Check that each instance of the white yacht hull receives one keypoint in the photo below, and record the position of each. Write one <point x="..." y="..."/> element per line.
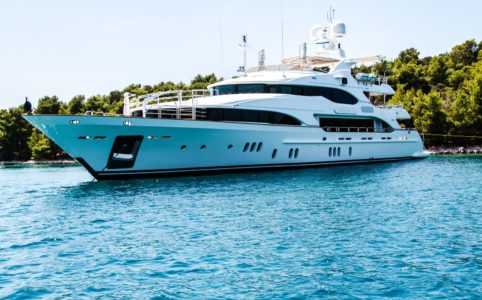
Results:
<point x="170" y="147"/>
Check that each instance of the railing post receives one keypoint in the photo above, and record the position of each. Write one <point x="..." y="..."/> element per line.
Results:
<point x="126" y="110"/>
<point x="179" y="102"/>
<point x="144" y="108"/>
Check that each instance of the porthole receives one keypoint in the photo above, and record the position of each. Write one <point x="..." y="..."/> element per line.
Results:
<point x="230" y="146"/>
<point x="349" y="151"/>
<point x="275" y="151"/>
<point x="253" y="146"/>
<point x="246" y="146"/>
<point x="260" y="145"/>
<point x="291" y="153"/>
<point x="324" y="138"/>
<point x="203" y="147"/>
<point x="183" y="147"/>
<point x="74" y="121"/>
<point x="339" y="151"/>
<point x="329" y="152"/>
<point x="296" y="152"/>
<point x="151" y="137"/>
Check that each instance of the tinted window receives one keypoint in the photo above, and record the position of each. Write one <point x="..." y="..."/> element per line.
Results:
<point x="343" y="97"/>
<point x="285" y="89"/>
<point x="250" y="88"/>
<point x="333" y="94"/>
<point x="337" y="122"/>
<point x="250" y="116"/>
<point x="232" y="115"/>
<point x="224" y="89"/>
<point x="245" y="115"/>
<point x="214" y="114"/>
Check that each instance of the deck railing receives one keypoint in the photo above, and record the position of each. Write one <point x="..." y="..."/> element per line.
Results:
<point x="178" y="104"/>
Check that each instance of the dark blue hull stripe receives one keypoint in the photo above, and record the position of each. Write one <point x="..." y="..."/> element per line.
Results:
<point x="238" y="168"/>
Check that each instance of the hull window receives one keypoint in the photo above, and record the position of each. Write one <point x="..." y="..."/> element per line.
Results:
<point x="275" y="151"/>
<point x="124" y="152"/>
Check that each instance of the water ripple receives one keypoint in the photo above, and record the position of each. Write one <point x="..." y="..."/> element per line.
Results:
<point x="396" y="230"/>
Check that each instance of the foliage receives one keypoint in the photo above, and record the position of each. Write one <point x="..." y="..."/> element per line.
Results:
<point x="40" y="146"/>
<point x="14" y="133"/>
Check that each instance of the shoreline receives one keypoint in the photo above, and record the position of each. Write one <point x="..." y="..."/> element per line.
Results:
<point x="451" y="150"/>
<point x="64" y="162"/>
<point x="434" y="150"/>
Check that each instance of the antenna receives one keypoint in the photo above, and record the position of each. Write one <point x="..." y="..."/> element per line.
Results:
<point x="220" y="21"/>
<point x="244" y="46"/>
<point x="282" y="31"/>
<point x="303" y="56"/>
<point x="261" y="58"/>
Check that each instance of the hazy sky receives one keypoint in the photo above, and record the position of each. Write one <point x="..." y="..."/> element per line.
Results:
<point x="88" y="47"/>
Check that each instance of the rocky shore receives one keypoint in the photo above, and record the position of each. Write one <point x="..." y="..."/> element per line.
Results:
<point x="444" y="150"/>
<point x="38" y="162"/>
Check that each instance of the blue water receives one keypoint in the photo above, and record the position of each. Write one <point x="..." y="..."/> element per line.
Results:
<point x="404" y="230"/>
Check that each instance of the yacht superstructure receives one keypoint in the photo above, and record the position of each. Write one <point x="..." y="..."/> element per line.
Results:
<point x="309" y="111"/>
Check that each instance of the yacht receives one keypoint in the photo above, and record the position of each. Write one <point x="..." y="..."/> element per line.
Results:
<point x="308" y="111"/>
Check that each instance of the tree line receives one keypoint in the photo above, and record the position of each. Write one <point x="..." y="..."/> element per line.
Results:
<point x="443" y="94"/>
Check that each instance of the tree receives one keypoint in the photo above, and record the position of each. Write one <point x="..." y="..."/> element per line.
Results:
<point x="465" y="114"/>
<point x="76" y="105"/>
<point x="437" y="70"/>
<point x="48" y="105"/>
<point x="41" y="146"/>
<point x="429" y="116"/>
<point x="464" y="54"/>
<point x="14" y="133"/>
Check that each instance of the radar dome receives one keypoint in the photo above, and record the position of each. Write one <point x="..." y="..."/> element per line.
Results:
<point x="337" y="30"/>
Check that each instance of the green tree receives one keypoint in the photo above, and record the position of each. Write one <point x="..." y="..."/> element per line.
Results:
<point x="429" y="115"/>
<point x="14" y="133"/>
<point x="465" y="114"/>
<point x="41" y="147"/>
<point x="464" y="54"/>
<point x="48" y="105"/>
<point x="437" y="70"/>
<point x="76" y="105"/>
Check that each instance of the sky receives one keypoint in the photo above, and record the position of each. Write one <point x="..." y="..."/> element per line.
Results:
<point x="89" y="47"/>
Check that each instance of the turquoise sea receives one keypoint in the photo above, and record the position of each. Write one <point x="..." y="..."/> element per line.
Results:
<point x="393" y="230"/>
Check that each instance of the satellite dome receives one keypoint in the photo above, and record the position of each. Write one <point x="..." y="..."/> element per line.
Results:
<point x="337" y="29"/>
